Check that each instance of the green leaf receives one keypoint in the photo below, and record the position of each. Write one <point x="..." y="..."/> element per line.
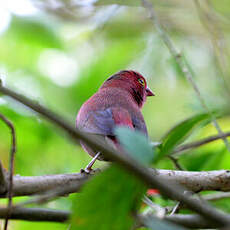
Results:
<point x="136" y="144"/>
<point x="107" y="201"/>
<point x="178" y="133"/>
<point x="213" y="161"/>
<point x="157" y="224"/>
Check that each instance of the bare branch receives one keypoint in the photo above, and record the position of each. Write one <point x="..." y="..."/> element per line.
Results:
<point x="36" y="214"/>
<point x="183" y="65"/>
<point x="11" y="165"/>
<point x="42" y="214"/>
<point x="70" y="183"/>
<point x="199" y="143"/>
<point x="216" y="196"/>
<point x="191" y="221"/>
<point x="31" y="185"/>
<point x="124" y="160"/>
<point x="188" y="221"/>
<point x="175" y="209"/>
<point x="197" y="181"/>
<point x="175" y="162"/>
<point x="3" y="184"/>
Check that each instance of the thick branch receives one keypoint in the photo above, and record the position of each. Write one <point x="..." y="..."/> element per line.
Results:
<point x="36" y="214"/>
<point x="126" y="161"/>
<point x="194" y="181"/>
<point x="31" y="185"/>
<point x="42" y="214"/>
<point x="197" y="181"/>
<point x="191" y="221"/>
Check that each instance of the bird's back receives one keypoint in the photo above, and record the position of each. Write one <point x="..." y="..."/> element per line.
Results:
<point x="107" y="108"/>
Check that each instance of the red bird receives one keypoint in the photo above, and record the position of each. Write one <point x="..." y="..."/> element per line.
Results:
<point x="118" y="102"/>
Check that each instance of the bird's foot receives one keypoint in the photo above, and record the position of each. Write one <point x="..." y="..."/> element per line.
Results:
<point x="88" y="169"/>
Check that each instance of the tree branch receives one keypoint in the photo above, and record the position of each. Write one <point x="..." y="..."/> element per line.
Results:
<point x="126" y="161"/>
<point x="31" y="185"/>
<point x="43" y="214"/>
<point x="216" y="196"/>
<point x="11" y="165"/>
<point x="70" y="183"/>
<point x="36" y="214"/>
<point x="3" y="184"/>
<point x="199" y="143"/>
<point x="191" y="221"/>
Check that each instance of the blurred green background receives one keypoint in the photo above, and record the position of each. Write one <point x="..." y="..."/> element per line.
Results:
<point x="59" y="52"/>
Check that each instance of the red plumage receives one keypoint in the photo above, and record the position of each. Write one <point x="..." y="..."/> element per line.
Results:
<point x="118" y="102"/>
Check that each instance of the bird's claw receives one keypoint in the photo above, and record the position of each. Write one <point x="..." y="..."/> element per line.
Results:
<point x="89" y="171"/>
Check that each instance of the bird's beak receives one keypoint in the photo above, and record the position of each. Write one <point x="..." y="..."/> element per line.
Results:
<point x="149" y="92"/>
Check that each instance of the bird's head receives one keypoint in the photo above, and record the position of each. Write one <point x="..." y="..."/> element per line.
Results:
<point x="131" y="81"/>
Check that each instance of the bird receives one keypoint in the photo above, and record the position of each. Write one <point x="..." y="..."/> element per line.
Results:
<point x="117" y="102"/>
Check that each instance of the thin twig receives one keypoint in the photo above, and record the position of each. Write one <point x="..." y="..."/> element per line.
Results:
<point x="3" y="184"/>
<point x="125" y="161"/>
<point x="216" y="196"/>
<point x="11" y="165"/>
<point x="175" y="162"/>
<point x="199" y="143"/>
<point x="183" y="65"/>
<point x="179" y="167"/>
<point x="175" y="209"/>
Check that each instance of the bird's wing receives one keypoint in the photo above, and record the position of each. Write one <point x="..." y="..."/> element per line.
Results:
<point x="104" y="121"/>
<point x="139" y="124"/>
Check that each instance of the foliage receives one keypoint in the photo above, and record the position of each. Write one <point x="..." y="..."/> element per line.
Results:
<point x="178" y="134"/>
<point x="108" y="201"/>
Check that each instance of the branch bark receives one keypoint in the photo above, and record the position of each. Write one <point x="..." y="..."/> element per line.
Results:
<point x="195" y="144"/>
<point x="216" y="196"/>
<point x="31" y="185"/>
<point x="3" y="184"/>
<point x="191" y="221"/>
<point x="36" y="214"/>
<point x="43" y="214"/>
<point x="125" y="161"/>
<point x="11" y="165"/>
<point x="197" y="181"/>
<point x="70" y="183"/>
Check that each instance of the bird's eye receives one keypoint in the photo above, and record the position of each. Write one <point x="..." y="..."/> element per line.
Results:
<point x="141" y="81"/>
